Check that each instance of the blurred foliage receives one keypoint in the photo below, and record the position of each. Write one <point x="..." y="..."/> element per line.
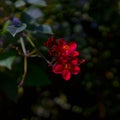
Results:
<point x="94" y="93"/>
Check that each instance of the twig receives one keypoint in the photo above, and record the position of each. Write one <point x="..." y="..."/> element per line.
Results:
<point x="25" y="61"/>
<point x="25" y="71"/>
<point x="23" y="46"/>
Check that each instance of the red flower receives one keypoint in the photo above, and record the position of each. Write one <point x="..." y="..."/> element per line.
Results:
<point x="65" y="49"/>
<point x="67" y="69"/>
<point x="65" y="57"/>
<point x="50" y="42"/>
<point x="51" y="45"/>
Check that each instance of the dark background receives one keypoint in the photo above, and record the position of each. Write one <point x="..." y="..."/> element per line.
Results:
<point x="94" y="93"/>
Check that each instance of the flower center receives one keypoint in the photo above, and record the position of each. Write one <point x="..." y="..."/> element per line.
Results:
<point x="65" y="47"/>
<point x="67" y="66"/>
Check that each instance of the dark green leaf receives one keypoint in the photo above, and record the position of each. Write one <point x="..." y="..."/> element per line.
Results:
<point x="36" y="77"/>
<point x="9" y="86"/>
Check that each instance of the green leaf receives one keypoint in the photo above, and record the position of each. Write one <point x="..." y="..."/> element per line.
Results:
<point x="37" y="2"/>
<point x="13" y="30"/>
<point x="5" y="27"/>
<point x="19" y="3"/>
<point x="36" y="77"/>
<point x="7" y="62"/>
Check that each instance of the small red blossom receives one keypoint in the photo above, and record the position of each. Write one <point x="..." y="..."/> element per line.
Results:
<point x="50" y="42"/>
<point x="51" y="45"/>
<point x="67" y="69"/>
<point x="65" y="57"/>
<point x="65" y="49"/>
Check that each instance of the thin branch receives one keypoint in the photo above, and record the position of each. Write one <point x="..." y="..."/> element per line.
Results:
<point x="25" y="71"/>
<point x="30" y="41"/>
<point x="25" y="61"/>
<point x="44" y="58"/>
<point x="33" y="52"/>
<point x="23" y="46"/>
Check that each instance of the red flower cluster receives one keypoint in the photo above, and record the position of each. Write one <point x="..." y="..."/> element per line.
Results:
<point x="65" y="57"/>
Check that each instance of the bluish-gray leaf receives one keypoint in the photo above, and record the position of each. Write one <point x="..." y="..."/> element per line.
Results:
<point x="34" y="12"/>
<point x="37" y="2"/>
<point x="19" y="3"/>
<point x="45" y="29"/>
<point x="7" y="62"/>
<point x="13" y="30"/>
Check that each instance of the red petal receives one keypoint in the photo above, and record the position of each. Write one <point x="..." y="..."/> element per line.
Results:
<point x="72" y="46"/>
<point x="66" y="74"/>
<point x="63" y="59"/>
<point x="58" y="68"/>
<point x="75" y="70"/>
<point x="74" y="61"/>
<point x="53" y="39"/>
<point x="61" y="43"/>
<point x="82" y="61"/>
<point x="74" y="54"/>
